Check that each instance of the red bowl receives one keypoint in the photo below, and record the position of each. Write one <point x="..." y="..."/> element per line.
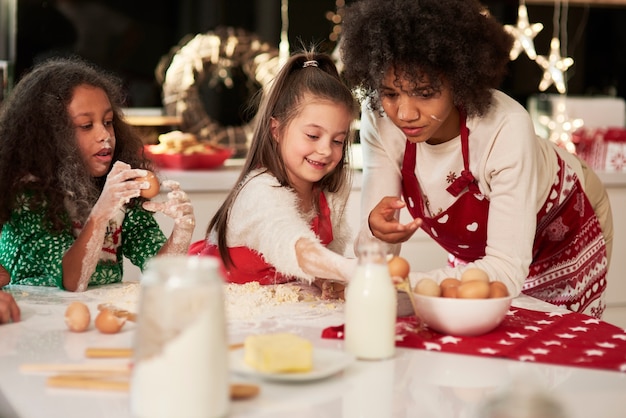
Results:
<point x="213" y="158"/>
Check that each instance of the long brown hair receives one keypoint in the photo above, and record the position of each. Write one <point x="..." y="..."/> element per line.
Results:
<point x="283" y="102"/>
<point x="39" y="153"/>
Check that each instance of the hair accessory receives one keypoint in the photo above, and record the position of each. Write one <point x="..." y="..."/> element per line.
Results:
<point x="311" y="63"/>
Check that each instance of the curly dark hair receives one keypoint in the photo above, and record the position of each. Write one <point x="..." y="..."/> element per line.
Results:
<point x="456" y="41"/>
<point x="39" y="154"/>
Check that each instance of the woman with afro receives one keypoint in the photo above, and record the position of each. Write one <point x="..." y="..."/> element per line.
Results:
<point x="464" y="156"/>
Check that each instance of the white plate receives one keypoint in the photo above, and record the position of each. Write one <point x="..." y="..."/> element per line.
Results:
<point x="325" y="363"/>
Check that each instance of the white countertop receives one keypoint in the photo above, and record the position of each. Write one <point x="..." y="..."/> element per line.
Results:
<point x="224" y="178"/>
<point x="415" y="383"/>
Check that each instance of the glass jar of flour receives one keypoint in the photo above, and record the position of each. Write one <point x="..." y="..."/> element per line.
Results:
<point x="180" y="350"/>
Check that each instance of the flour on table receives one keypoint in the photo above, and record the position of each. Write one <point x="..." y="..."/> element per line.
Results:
<point x="251" y="301"/>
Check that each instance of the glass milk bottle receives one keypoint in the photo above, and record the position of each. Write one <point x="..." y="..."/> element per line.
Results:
<point x="371" y="304"/>
<point x="180" y="350"/>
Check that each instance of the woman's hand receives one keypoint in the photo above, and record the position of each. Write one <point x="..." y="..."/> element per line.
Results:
<point x="178" y="206"/>
<point x="384" y="224"/>
<point x="117" y="191"/>
<point x="9" y="311"/>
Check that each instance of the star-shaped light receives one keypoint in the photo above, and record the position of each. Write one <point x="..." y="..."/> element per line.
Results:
<point x="554" y="66"/>
<point x="598" y="353"/>
<point x="487" y="350"/>
<point x="560" y="126"/>
<point x="524" y="34"/>
<point x="539" y="351"/>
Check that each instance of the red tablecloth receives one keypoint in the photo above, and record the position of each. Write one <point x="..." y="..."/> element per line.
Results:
<point x="569" y="339"/>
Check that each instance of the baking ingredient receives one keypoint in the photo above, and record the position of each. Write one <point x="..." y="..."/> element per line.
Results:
<point x="450" y="292"/>
<point x="154" y="188"/>
<point x="398" y="267"/>
<point x="474" y="273"/>
<point x="77" y="316"/>
<point x="108" y="323"/>
<point x="498" y="290"/>
<point x="449" y="282"/>
<point x="278" y="353"/>
<point x="428" y="287"/>
<point x="371" y="306"/>
<point x="180" y="352"/>
<point x="474" y="289"/>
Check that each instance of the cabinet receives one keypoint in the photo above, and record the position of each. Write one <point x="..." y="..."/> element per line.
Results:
<point x="208" y="189"/>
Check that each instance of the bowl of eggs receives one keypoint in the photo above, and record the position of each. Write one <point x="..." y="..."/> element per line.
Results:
<point x="470" y="306"/>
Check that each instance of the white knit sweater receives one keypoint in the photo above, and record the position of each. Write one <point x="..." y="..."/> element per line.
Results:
<point x="265" y="218"/>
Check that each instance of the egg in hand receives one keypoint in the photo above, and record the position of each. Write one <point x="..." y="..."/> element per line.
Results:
<point x="154" y="188"/>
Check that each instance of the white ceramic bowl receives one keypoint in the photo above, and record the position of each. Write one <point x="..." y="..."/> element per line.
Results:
<point x="462" y="317"/>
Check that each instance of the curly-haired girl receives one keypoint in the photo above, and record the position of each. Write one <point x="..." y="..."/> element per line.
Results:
<point x="68" y="210"/>
<point x="465" y="156"/>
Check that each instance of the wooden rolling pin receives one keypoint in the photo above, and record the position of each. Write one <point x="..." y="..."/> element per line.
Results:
<point x="97" y="382"/>
<point x="106" y="352"/>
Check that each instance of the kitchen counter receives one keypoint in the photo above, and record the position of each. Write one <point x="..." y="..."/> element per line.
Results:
<point x="420" y="382"/>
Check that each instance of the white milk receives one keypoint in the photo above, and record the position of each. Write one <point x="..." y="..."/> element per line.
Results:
<point x="371" y="305"/>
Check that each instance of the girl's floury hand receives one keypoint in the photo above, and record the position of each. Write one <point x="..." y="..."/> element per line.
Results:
<point x="332" y="290"/>
<point x="178" y="206"/>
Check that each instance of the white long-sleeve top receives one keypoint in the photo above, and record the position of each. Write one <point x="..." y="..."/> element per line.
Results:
<point x="514" y="169"/>
<point x="265" y="218"/>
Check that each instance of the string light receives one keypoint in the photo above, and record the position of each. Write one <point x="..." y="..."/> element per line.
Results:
<point x="524" y="34"/>
<point x="554" y="65"/>
<point x="283" y="46"/>
<point x="560" y="125"/>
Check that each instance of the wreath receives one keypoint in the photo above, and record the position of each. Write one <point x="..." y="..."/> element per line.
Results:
<point x="209" y="79"/>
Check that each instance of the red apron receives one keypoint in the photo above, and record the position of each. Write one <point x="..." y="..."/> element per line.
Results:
<point x="250" y="266"/>
<point x="569" y="262"/>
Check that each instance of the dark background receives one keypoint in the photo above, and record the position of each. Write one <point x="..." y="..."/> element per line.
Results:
<point x="149" y="29"/>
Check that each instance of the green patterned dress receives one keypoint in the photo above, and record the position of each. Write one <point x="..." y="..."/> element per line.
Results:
<point x="33" y="255"/>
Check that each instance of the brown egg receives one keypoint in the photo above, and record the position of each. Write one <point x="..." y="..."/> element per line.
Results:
<point x="473" y="289"/>
<point x="77" y="317"/>
<point x="450" y="292"/>
<point x="449" y="282"/>
<point x="428" y="287"/>
<point x="498" y="290"/>
<point x="107" y="323"/>
<point x="398" y="267"/>
<point x="154" y="188"/>
<point x="474" y="273"/>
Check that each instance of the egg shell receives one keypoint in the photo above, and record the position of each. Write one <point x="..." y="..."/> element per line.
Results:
<point x="77" y="317"/>
<point x="108" y="323"/>
<point x="398" y="267"/>
<point x="428" y="287"/>
<point x="498" y="290"/>
<point x="474" y="273"/>
<point x="154" y="188"/>
<point x="473" y="289"/>
<point x="449" y="282"/>
<point x="450" y="292"/>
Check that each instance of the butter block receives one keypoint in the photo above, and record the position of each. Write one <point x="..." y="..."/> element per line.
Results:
<point x="278" y="353"/>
